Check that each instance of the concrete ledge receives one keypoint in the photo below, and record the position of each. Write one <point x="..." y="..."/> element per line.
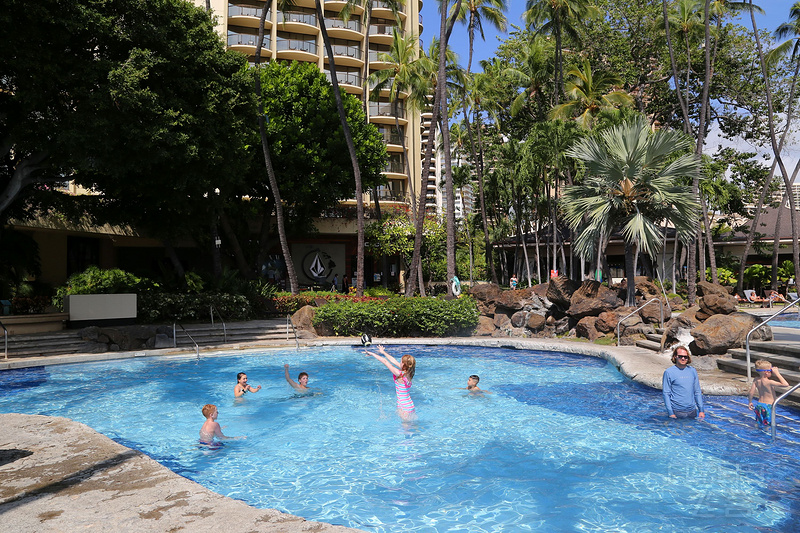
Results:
<point x="40" y="323"/>
<point x="60" y="475"/>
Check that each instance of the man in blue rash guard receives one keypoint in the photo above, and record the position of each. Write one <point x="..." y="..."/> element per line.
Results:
<point x="682" y="395"/>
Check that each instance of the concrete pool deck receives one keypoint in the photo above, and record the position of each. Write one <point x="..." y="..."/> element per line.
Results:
<point x="60" y="475"/>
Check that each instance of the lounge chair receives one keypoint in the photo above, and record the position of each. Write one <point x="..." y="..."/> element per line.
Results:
<point x="753" y="298"/>
<point x="775" y="297"/>
<point x="792" y="296"/>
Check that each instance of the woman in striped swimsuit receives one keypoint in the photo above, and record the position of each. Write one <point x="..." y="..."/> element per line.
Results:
<point x="403" y="373"/>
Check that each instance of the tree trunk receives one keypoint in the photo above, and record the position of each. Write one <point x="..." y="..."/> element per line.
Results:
<point x="444" y="35"/>
<point x="176" y="262"/>
<point x="764" y="190"/>
<point x="775" y="148"/>
<point x="273" y="182"/>
<point x="238" y="254"/>
<point x="630" y="274"/>
<point x="351" y="148"/>
<point x="448" y="186"/>
<point x="484" y="214"/>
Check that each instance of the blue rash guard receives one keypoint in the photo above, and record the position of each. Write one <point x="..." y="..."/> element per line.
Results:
<point x="682" y="390"/>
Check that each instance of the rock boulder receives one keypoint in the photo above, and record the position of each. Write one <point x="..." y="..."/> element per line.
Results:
<point x="720" y="333"/>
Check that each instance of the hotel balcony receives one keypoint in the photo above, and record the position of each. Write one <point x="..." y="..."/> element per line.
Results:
<point x="349" y="81"/>
<point x="300" y="50"/>
<point x="381" y="113"/>
<point x="246" y="44"/>
<point x="381" y="9"/>
<point x="346" y="54"/>
<point x="338" y="28"/>
<point x="247" y="16"/>
<point x="381" y="33"/>
<point x="297" y="22"/>
<point x="338" y="5"/>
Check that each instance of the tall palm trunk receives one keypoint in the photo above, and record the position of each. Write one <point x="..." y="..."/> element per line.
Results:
<point x="444" y="36"/>
<point x="351" y="148"/>
<point x="630" y="274"/>
<point x="273" y="182"/>
<point x="775" y="148"/>
<point x="448" y="189"/>
<point x="484" y="214"/>
<point x="764" y="190"/>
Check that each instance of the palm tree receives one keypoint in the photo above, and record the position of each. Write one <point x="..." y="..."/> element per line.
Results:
<point x="591" y="94"/>
<point x="786" y="29"/>
<point x="532" y="73"/>
<point x="401" y="75"/>
<point x="631" y="184"/>
<point x="439" y="110"/>
<point x="776" y="149"/>
<point x="273" y="182"/>
<point x="351" y="148"/>
<point x="556" y="17"/>
<point x="473" y="12"/>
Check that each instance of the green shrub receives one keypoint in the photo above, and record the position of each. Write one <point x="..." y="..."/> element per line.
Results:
<point x="29" y="305"/>
<point x="95" y="280"/>
<point x="401" y="317"/>
<point x="163" y="307"/>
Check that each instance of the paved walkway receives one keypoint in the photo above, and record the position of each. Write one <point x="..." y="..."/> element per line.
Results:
<point x="60" y="475"/>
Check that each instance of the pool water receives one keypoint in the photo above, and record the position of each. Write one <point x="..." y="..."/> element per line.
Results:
<point x="563" y="443"/>
<point x="789" y="320"/>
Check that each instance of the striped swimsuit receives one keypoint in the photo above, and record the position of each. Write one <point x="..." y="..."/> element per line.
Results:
<point x="401" y="386"/>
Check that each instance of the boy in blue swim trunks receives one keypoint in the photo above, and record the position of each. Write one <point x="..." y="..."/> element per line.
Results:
<point x="766" y="391"/>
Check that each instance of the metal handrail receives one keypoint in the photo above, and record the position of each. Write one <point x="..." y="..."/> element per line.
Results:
<point x="747" y="338"/>
<point x="775" y="404"/>
<point x="5" y="335"/>
<point x="288" y="323"/>
<point x="660" y="310"/>
<point x="175" y="338"/>
<point x="224" y="329"/>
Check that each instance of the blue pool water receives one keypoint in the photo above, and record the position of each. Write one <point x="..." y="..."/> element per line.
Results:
<point x="564" y="443"/>
<point x="789" y="320"/>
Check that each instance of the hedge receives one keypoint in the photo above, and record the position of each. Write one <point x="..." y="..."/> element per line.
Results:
<point x="163" y="307"/>
<point x="400" y="317"/>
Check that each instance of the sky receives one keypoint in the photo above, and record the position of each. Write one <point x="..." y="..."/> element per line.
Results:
<point x="777" y="11"/>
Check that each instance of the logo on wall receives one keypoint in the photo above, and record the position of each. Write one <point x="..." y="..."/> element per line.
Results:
<point x="318" y="265"/>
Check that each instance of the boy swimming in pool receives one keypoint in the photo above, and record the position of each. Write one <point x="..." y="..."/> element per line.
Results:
<point x="211" y="429"/>
<point x="472" y="384"/>
<point x="766" y="391"/>
<point x="242" y="386"/>
<point x="302" y="380"/>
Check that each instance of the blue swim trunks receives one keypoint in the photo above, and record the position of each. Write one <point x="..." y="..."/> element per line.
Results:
<point x="763" y="413"/>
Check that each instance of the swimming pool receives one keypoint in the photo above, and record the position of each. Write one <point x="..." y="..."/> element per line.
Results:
<point x="789" y="320"/>
<point x="564" y="443"/>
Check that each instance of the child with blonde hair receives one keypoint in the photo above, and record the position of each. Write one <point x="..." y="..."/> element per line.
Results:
<point x="403" y="372"/>
<point x="211" y="429"/>
<point x="766" y="391"/>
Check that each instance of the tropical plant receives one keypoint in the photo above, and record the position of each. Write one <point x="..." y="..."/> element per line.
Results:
<point x="589" y="94"/>
<point x="631" y="185"/>
<point x="558" y="18"/>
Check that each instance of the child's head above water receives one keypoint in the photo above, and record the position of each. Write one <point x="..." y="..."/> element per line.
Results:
<point x="473" y="381"/>
<point x="763" y="366"/>
<point x="408" y="364"/>
<point x="302" y="378"/>
<point x="241" y="375"/>
<point x="208" y="409"/>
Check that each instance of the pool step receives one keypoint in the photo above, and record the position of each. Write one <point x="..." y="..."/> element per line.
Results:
<point x="69" y="341"/>
<point x="235" y="333"/>
<point x="784" y="355"/>
<point x="42" y="344"/>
